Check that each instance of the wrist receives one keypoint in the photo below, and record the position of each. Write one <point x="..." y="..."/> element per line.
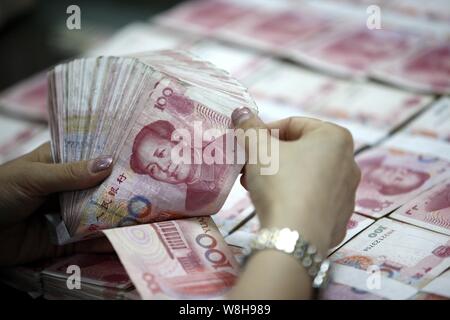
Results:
<point x="306" y="222"/>
<point x="292" y="243"/>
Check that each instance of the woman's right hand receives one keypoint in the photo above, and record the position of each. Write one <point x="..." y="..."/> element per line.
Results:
<point x="314" y="189"/>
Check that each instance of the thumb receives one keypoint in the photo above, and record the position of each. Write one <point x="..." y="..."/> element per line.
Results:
<point x="48" y="178"/>
<point x="243" y="118"/>
<point x="261" y="147"/>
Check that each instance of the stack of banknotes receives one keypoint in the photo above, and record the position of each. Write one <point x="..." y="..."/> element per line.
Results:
<point x="397" y="244"/>
<point x="133" y="107"/>
<point x="138" y="109"/>
<point x="102" y="277"/>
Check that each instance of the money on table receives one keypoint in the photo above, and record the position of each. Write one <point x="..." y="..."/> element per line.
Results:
<point x="130" y="107"/>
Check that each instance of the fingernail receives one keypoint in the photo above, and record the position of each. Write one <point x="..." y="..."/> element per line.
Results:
<point x="241" y="114"/>
<point x="100" y="164"/>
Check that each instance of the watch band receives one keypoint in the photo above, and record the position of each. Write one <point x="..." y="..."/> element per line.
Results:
<point x="290" y="242"/>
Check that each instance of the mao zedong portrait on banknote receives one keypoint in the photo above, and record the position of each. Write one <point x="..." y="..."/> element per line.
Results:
<point x="389" y="178"/>
<point x="152" y="152"/>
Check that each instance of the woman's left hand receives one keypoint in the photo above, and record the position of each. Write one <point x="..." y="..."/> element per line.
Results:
<point x="26" y="186"/>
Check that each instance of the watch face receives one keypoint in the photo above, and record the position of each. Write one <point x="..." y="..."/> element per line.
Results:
<point x="285" y="240"/>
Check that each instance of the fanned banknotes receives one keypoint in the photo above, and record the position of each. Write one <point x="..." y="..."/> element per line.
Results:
<point x="144" y="110"/>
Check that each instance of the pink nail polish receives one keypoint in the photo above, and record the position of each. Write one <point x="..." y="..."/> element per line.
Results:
<point x="100" y="164"/>
<point x="241" y="114"/>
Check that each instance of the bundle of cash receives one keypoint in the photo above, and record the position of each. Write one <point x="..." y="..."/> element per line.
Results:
<point x="103" y="277"/>
<point x="164" y="117"/>
<point x="87" y="276"/>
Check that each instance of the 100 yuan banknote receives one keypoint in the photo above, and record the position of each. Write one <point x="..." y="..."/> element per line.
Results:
<point x="392" y="259"/>
<point x="391" y="177"/>
<point x="178" y="259"/>
<point x="430" y="210"/>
